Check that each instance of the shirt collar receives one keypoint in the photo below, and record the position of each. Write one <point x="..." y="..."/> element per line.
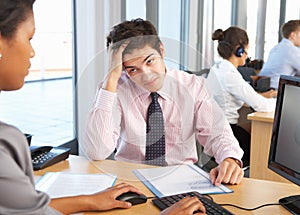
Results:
<point x="287" y="41"/>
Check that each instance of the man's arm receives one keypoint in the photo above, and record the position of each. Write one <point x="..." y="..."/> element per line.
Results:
<point x="101" y="135"/>
<point x="215" y="134"/>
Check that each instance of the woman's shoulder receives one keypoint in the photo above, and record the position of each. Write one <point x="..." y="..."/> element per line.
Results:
<point x="12" y="135"/>
<point x="8" y="129"/>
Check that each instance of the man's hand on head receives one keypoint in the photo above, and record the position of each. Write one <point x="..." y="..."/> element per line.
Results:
<point x="115" y="67"/>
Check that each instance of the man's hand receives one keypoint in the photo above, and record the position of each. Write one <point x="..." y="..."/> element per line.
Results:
<point x="115" y="66"/>
<point x="228" y="172"/>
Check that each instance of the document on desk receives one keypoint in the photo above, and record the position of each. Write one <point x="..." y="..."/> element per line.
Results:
<point x="170" y="180"/>
<point x="60" y="184"/>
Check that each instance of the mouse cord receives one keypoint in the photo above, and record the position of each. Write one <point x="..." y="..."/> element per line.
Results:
<point x="205" y="195"/>
<point x="255" y="208"/>
<point x="250" y="209"/>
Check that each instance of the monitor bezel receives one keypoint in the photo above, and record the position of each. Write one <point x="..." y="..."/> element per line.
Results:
<point x="279" y="168"/>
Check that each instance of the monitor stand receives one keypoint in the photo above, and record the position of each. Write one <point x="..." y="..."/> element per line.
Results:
<point x="291" y="203"/>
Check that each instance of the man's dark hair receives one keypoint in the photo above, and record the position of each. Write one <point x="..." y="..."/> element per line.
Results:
<point x="137" y="33"/>
<point x="289" y="27"/>
<point x="12" y="13"/>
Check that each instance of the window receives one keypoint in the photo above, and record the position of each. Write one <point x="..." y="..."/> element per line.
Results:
<point x="222" y="20"/>
<point x="135" y="9"/>
<point x="44" y="106"/>
<point x="252" y="7"/>
<point x="222" y="14"/>
<point x="272" y="26"/>
<point x="52" y="41"/>
<point x="169" y="26"/>
<point x="292" y="10"/>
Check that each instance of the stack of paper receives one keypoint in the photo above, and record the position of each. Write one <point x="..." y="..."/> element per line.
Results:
<point x="170" y="180"/>
<point x="61" y="184"/>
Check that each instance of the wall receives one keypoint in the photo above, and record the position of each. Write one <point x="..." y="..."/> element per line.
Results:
<point x="93" y="20"/>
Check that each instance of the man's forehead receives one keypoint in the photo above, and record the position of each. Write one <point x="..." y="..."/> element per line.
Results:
<point x="139" y="54"/>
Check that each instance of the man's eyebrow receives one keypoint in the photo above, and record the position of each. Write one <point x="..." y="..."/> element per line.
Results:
<point x="145" y="59"/>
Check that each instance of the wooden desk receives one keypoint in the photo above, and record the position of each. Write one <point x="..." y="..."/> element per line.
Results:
<point x="261" y="131"/>
<point x="250" y="193"/>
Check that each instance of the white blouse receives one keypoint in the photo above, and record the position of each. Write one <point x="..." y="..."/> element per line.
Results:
<point x="231" y="91"/>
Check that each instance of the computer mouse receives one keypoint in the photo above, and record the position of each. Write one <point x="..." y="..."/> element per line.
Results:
<point x="133" y="198"/>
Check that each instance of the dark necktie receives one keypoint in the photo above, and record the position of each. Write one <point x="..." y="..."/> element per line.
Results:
<point x="155" y="140"/>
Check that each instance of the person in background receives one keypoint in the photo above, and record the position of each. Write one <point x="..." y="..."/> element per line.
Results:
<point x="118" y="118"/>
<point x="284" y="57"/>
<point x="18" y="195"/>
<point x="229" y="88"/>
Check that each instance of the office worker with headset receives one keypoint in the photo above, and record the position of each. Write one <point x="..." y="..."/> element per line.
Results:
<point x="284" y="57"/>
<point x="228" y="87"/>
<point x="18" y="195"/>
<point x="137" y="78"/>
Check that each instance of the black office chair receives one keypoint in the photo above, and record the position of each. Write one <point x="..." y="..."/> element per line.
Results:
<point x="259" y="83"/>
<point x="202" y="72"/>
<point x="247" y="72"/>
<point x="28" y="137"/>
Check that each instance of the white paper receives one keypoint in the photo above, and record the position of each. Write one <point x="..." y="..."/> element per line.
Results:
<point x="61" y="184"/>
<point x="170" y="180"/>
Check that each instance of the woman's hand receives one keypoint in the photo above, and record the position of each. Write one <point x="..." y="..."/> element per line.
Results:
<point x="186" y="206"/>
<point x="106" y="199"/>
<point x="269" y="94"/>
<point x="101" y="201"/>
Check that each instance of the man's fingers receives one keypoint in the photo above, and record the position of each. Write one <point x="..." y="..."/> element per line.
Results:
<point x="213" y="175"/>
<point x="237" y="176"/>
<point x="221" y="175"/>
<point x="227" y="172"/>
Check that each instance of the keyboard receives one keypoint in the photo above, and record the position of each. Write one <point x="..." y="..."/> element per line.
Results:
<point x="212" y="207"/>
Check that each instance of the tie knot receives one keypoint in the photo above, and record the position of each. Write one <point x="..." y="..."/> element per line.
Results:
<point x="154" y="96"/>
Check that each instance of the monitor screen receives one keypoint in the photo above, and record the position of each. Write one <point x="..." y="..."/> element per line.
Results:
<point x="284" y="157"/>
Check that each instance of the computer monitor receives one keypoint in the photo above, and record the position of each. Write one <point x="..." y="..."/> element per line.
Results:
<point x="284" y="156"/>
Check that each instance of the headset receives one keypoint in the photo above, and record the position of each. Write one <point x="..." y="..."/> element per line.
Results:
<point x="239" y="51"/>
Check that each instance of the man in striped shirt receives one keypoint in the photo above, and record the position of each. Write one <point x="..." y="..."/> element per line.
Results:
<point x="118" y="117"/>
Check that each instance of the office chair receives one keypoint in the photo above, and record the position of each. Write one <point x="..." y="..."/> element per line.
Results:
<point x="247" y="72"/>
<point x="205" y="161"/>
<point x="28" y="138"/>
<point x="259" y="83"/>
<point x="202" y="72"/>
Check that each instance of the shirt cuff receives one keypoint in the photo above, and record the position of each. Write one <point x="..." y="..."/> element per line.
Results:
<point x="105" y="100"/>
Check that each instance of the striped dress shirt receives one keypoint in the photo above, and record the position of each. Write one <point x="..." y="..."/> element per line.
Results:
<point x="118" y="121"/>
